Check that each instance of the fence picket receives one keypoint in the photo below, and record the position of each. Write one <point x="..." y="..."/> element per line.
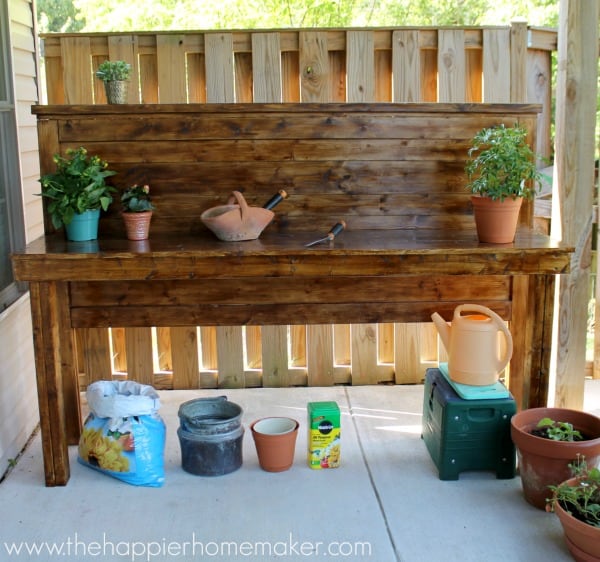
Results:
<point x="266" y="67"/>
<point x="496" y="65"/>
<point x="406" y="66"/>
<point x="360" y="49"/>
<point x="451" y="66"/>
<point x="218" y="49"/>
<point x="170" y="57"/>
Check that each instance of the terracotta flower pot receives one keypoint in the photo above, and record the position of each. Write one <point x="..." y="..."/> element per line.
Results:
<point x="137" y="225"/>
<point x="583" y="540"/>
<point x="496" y="221"/>
<point x="544" y="462"/>
<point x="275" y="440"/>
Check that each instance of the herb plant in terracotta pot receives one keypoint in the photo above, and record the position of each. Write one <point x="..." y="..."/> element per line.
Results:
<point x="576" y="502"/>
<point x="137" y="211"/>
<point x="545" y="450"/>
<point x="76" y="192"/>
<point x="502" y="171"/>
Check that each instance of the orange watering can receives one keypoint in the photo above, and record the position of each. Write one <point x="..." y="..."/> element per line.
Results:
<point x="473" y="345"/>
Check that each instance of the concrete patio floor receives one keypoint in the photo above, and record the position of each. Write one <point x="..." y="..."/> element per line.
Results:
<point x="385" y="502"/>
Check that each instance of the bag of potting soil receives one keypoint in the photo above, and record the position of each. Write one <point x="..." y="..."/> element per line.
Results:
<point x="124" y="436"/>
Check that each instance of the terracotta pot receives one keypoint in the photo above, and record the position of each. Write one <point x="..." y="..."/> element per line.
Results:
<point x="496" y="221"/>
<point x="544" y="462"/>
<point x="237" y="221"/>
<point x="583" y="540"/>
<point x="137" y="225"/>
<point x="275" y="441"/>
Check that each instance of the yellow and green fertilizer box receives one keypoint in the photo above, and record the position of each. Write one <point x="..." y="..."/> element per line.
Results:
<point x="324" y="430"/>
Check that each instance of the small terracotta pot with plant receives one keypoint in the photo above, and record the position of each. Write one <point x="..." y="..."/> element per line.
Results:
<point x="502" y="171"/>
<point x="137" y="208"/>
<point x="576" y="502"/>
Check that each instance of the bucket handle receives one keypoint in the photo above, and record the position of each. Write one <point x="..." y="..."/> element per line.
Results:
<point x="213" y="399"/>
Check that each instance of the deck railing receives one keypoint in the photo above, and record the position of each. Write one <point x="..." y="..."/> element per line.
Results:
<point x="493" y="64"/>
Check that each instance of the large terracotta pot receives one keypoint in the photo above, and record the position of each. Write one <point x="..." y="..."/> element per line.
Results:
<point x="496" y="220"/>
<point x="544" y="462"/>
<point x="583" y="540"/>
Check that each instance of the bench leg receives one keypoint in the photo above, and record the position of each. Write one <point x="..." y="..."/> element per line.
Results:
<point x="56" y="372"/>
<point x="531" y="328"/>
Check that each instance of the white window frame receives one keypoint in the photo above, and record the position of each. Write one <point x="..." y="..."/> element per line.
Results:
<point x="10" y="180"/>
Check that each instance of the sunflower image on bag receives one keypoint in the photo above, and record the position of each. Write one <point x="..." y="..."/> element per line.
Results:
<point x="105" y="450"/>
<point x="124" y="436"/>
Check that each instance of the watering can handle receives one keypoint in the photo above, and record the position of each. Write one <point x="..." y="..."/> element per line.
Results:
<point x="502" y="363"/>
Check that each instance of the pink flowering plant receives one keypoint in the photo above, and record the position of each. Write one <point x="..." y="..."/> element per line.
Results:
<point x="136" y="199"/>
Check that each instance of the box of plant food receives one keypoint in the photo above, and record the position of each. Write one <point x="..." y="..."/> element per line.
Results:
<point x="324" y="422"/>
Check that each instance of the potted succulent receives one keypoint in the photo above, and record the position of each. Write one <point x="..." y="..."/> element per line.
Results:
<point x="576" y="502"/>
<point x="115" y="75"/>
<point x="501" y="169"/>
<point x="76" y="192"/>
<point x="547" y="441"/>
<point x="137" y="207"/>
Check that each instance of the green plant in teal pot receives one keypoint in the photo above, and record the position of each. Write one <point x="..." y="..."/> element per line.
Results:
<point x="78" y="185"/>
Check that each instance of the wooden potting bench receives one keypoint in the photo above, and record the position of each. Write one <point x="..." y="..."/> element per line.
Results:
<point x="393" y="172"/>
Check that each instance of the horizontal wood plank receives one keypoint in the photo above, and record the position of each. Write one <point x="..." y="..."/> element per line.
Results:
<point x="282" y="290"/>
<point x="268" y="314"/>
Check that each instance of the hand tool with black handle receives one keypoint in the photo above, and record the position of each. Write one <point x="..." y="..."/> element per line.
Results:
<point x="335" y="230"/>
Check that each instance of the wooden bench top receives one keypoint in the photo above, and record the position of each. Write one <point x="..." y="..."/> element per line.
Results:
<point x="276" y="254"/>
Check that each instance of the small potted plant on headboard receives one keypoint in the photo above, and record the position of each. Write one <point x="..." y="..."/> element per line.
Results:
<point x="502" y="172"/>
<point x="115" y="75"/>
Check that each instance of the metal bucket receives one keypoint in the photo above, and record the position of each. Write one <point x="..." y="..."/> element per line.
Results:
<point x="210" y="435"/>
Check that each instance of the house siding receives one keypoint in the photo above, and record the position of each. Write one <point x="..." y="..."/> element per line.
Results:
<point x="18" y="399"/>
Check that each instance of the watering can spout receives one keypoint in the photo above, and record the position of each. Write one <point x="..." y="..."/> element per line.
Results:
<point x="443" y="329"/>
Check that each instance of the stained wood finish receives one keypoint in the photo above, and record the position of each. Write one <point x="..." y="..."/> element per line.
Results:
<point x="377" y="166"/>
<point x="393" y="172"/>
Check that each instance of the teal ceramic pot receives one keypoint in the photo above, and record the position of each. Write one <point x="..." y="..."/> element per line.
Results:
<point x="84" y="226"/>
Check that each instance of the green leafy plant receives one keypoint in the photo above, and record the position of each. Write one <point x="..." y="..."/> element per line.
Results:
<point x="501" y="164"/>
<point x="580" y="496"/>
<point x="558" y="431"/>
<point x="78" y="185"/>
<point x="136" y="199"/>
<point x="110" y="71"/>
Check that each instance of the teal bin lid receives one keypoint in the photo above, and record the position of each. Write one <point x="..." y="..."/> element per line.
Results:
<point x="468" y="392"/>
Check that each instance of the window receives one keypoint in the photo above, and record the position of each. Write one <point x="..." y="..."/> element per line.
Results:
<point x="11" y="213"/>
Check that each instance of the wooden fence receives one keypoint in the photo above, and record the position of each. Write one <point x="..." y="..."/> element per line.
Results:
<point x="499" y="64"/>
